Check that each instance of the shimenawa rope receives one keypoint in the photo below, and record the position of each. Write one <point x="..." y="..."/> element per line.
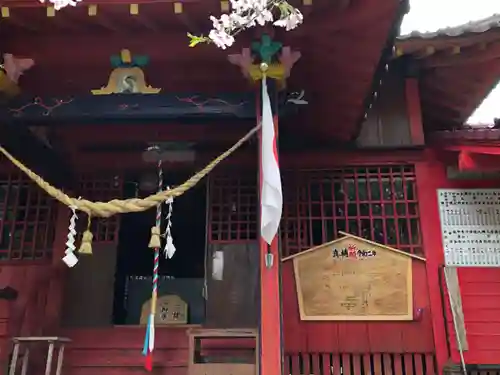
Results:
<point x="120" y="206"/>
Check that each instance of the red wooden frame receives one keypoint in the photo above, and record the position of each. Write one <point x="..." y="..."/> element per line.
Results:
<point x="101" y="187"/>
<point x="233" y="204"/>
<point x="27" y="219"/>
<point x="378" y="203"/>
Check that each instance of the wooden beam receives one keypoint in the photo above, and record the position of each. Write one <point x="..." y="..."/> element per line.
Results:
<point x="455" y="298"/>
<point x="37" y="156"/>
<point x="414" y="111"/>
<point x="93" y="11"/>
<point x="357" y="14"/>
<point x="38" y="4"/>
<point x="134" y="10"/>
<point x="74" y="136"/>
<point x="466" y="57"/>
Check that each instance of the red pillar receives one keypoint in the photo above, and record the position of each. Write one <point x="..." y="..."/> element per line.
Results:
<point x="270" y="334"/>
<point x="430" y="176"/>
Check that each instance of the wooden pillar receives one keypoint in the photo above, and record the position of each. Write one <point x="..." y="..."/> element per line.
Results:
<point x="430" y="176"/>
<point x="414" y="111"/>
<point x="270" y="324"/>
<point x="58" y="272"/>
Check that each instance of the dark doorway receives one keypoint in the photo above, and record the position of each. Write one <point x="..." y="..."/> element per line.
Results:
<point x="183" y="274"/>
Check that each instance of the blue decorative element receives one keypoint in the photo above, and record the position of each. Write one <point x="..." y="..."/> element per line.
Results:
<point x="145" y="348"/>
<point x="266" y="49"/>
<point x="139" y="61"/>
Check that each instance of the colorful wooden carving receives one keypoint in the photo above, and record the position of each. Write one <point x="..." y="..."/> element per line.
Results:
<point x="12" y="69"/>
<point x="279" y="59"/>
<point x="127" y="77"/>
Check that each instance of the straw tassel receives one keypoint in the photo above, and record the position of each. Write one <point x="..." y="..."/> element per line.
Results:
<point x="155" y="241"/>
<point x="86" y="245"/>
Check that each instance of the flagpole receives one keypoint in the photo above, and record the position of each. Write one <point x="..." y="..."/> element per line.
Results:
<point x="270" y="324"/>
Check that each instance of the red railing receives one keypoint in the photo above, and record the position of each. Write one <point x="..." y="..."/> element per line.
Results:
<point x="359" y="364"/>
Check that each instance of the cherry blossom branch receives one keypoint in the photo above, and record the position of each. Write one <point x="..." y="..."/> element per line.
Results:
<point x="246" y="14"/>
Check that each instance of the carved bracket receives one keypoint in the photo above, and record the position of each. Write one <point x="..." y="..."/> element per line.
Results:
<point x="11" y="70"/>
<point x="280" y="60"/>
<point x="127" y="77"/>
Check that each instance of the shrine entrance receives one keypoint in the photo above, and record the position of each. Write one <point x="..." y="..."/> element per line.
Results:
<point x="183" y="274"/>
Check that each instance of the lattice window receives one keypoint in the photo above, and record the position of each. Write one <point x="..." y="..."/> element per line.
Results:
<point x="233" y="206"/>
<point x="27" y="219"/>
<point x="102" y="187"/>
<point x="377" y="203"/>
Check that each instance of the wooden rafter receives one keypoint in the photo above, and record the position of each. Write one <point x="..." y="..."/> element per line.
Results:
<point x="38" y="4"/>
<point x="466" y="57"/>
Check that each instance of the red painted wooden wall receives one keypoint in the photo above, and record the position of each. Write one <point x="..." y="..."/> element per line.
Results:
<point x="480" y="292"/>
<point x="379" y="203"/>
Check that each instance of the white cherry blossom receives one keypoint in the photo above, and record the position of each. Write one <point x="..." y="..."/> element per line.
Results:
<point x="58" y="4"/>
<point x="249" y="13"/>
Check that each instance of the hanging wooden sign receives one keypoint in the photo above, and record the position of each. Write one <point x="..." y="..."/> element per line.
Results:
<point x="170" y="309"/>
<point x="354" y="279"/>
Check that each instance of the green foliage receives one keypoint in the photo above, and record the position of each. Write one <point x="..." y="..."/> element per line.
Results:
<point x="195" y="40"/>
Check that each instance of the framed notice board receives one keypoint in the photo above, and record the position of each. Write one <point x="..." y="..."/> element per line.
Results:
<point x="354" y="279"/>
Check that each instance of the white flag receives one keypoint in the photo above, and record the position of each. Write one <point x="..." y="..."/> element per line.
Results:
<point x="271" y="195"/>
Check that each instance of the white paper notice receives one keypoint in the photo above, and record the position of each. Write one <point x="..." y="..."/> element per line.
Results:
<point x="218" y="265"/>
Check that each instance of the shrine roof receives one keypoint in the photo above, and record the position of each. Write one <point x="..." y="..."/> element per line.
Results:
<point x="479" y="26"/>
<point x="90" y="33"/>
<point x="457" y="68"/>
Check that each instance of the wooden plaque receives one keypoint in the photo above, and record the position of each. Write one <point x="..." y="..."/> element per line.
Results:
<point x="170" y="309"/>
<point x="354" y="279"/>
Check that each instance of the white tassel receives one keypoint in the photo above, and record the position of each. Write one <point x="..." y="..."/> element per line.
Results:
<point x="169" y="249"/>
<point x="70" y="258"/>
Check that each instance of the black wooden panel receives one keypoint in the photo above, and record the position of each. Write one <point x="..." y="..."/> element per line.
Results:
<point x="387" y="124"/>
<point x="134" y="107"/>
<point x="233" y="301"/>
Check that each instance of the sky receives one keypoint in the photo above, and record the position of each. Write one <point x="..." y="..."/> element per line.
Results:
<point x="431" y="15"/>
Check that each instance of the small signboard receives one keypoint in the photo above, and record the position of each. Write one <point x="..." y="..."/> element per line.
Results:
<point x="354" y="279"/>
<point x="170" y="309"/>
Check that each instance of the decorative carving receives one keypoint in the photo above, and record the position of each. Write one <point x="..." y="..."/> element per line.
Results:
<point x="11" y="70"/>
<point x="244" y="60"/>
<point x="297" y="98"/>
<point x="127" y="77"/>
<point x="280" y="62"/>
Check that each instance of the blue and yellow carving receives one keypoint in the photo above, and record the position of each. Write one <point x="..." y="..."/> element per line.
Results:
<point x="267" y="49"/>
<point x="127" y="76"/>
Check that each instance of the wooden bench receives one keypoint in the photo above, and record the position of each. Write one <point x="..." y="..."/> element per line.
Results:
<point x="52" y="342"/>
